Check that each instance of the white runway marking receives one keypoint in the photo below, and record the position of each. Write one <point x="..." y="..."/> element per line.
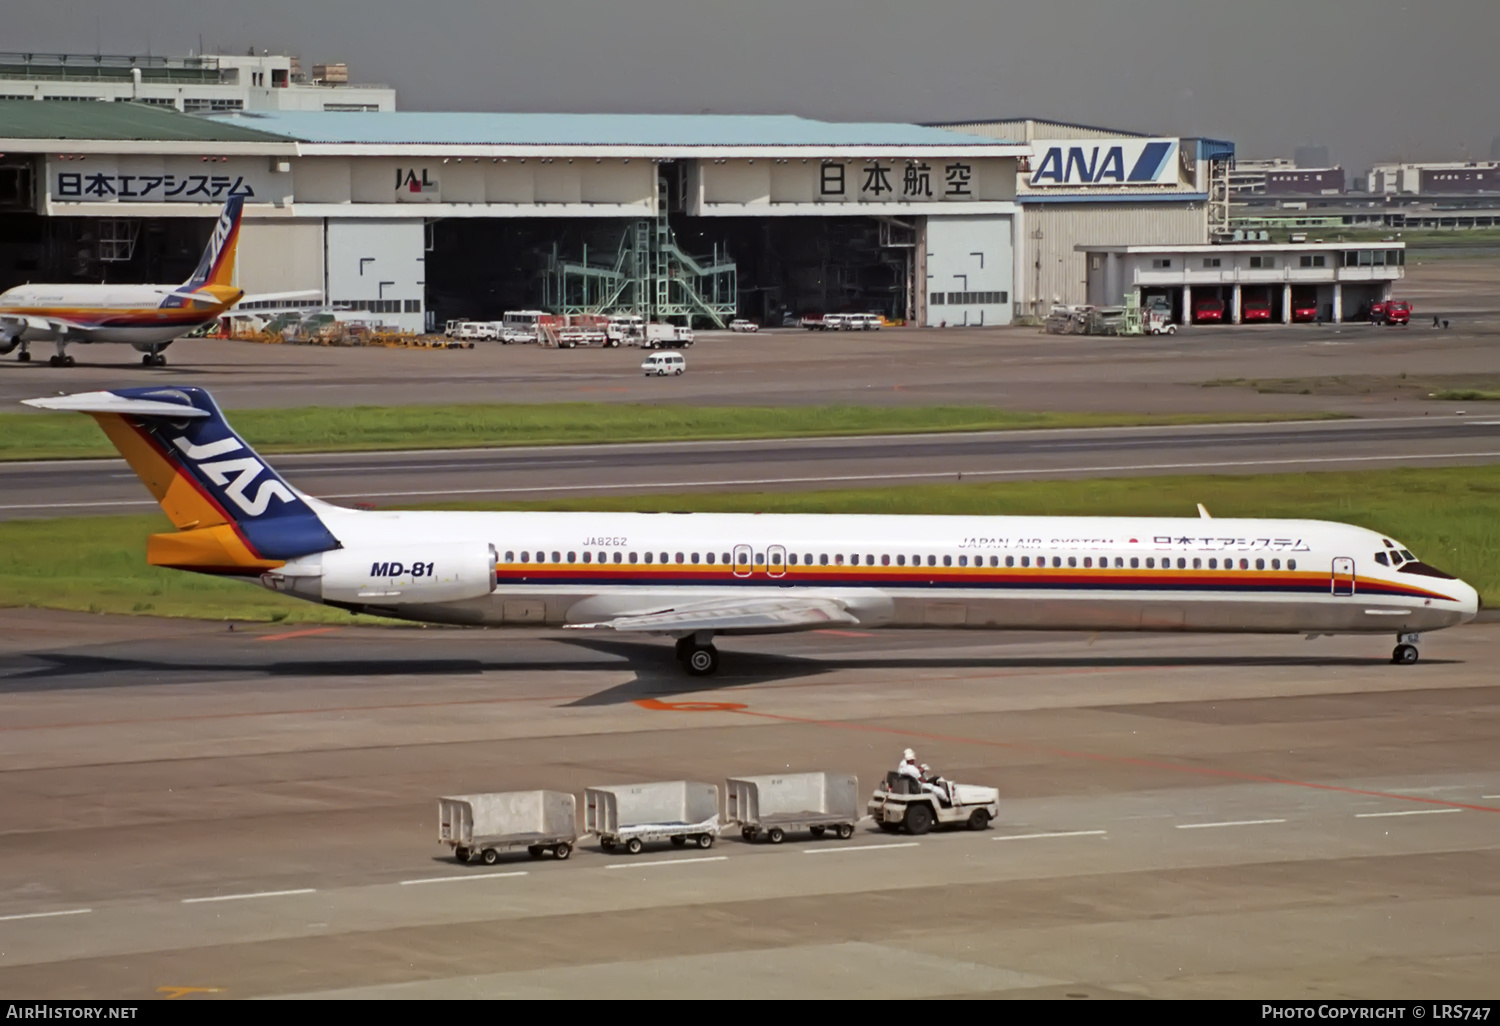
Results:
<point x="46" y="915"/>
<point x="1228" y="823"/>
<point x="243" y="897"/>
<point x="1059" y="833"/>
<point x="668" y="862"/>
<point x="472" y="876"/>
<point x="1407" y="812"/>
<point x="859" y="847"/>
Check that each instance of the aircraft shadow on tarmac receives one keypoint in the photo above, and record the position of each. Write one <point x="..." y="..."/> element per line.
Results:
<point x="657" y="674"/>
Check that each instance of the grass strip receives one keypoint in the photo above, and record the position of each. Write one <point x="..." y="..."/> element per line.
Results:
<point x="36" y="436"/>
<point x="1446" y="515"/>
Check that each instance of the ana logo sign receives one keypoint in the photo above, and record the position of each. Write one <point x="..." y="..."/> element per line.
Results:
<point x="1103" y="162"/>
<point x="416" y="185"/>
<point x="235" y="476"/>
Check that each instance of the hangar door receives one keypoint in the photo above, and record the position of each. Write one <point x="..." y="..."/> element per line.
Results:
<point x="378" y="265"/>
<point x="969" y="275"/>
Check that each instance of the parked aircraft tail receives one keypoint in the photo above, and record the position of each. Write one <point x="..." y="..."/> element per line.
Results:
<point x="233" y="513"/>
<point x="216" y="266"/>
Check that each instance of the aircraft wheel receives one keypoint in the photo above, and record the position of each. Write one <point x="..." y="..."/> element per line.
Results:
<point x="23" y="357"/>
<point x="68" y="361"/>
<point x="161" y="360"/>
<point x="54" y="361"/>
<point x="702" y="661"/>
<point x="1404" y="655"/>
<point x="148" y="360"/>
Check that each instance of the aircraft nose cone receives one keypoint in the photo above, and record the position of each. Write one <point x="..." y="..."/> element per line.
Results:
<point x="1467" y="598"/>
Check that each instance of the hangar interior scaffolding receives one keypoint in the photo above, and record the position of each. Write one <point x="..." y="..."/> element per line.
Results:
<point x="648" y="274"/>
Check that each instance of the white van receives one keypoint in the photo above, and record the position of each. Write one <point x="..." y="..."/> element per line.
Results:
<point x="662" y="364"/>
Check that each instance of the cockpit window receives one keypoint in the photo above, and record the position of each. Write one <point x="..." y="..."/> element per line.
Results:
<point x="1406" y="555"/>
<point x="1380" y="558"/>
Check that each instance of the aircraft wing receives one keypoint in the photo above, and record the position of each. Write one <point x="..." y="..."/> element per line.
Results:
<point x="730" y="616"/>
<point x="277" y="297"/>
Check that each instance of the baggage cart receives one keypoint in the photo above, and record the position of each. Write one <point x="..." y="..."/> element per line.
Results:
<point x="771" y="806"/>
<point x="630" y="816"/>
<point x="483" y="826"/>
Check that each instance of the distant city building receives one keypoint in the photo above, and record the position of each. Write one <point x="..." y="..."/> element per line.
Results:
<point x="194" y="85"/>
<point x="1281" y="177"/>
<point x="1311" y="156"/>
<point x="1444" y="178"/>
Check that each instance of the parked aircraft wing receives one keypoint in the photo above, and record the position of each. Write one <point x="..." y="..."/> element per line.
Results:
<point x="747" y="616"/>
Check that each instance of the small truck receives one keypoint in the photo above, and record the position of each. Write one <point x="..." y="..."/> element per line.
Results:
<point x="901" y="803"/>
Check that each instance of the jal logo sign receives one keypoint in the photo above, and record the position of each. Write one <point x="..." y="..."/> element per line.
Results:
<point x="416" y="185"/>
<point x="1103" y="162"/>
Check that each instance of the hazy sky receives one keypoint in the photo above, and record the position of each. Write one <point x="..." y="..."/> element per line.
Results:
<point x="1370" y="79"/>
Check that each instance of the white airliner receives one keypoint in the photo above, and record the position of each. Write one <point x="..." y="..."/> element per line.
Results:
<point x="148" y="317"/>
<point x="692" y="576"/>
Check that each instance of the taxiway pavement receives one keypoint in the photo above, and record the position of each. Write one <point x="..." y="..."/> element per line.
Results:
<point x="83" y="487"/>
<point x="196" y="811"/>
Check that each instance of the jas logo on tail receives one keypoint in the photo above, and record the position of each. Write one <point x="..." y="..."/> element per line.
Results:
<point x="235" y="476"/>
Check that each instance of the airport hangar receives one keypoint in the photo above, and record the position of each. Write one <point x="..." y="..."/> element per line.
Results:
<point x="1083" y="186"/>
<point x="411" y="218"/>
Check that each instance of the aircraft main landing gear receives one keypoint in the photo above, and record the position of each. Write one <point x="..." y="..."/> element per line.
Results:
<point x="1405" y="652"/>
<point x="153" y="360"/>
<point x="698" y="655"/>
<point x="54" y="361"/>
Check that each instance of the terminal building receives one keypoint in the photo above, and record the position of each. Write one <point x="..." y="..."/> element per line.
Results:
<point x="196" y="85"/>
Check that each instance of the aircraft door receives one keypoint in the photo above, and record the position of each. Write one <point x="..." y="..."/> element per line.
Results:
<point x="743" y="564"/>
<point x="776" y="561"/>
<point x="1343" y="576"/>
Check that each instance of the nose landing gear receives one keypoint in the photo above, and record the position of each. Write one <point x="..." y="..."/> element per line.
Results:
<point x="1405" y="652"/>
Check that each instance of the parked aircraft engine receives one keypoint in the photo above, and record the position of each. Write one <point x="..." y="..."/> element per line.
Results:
<point x="390" y="575"/>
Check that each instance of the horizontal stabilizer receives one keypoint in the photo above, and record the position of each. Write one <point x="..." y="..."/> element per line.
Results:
<point x="109" y="402"/>
<point x="750" y="616"/>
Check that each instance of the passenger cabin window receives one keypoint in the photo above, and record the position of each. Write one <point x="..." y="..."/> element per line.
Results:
<point x="526" y="557"/>
<point x="588" y="557"/>
<point x="633" y="558"/>
<point x="1244" y="564"/>
<point x="648" y="557"/>
<point x="1025" y="560"/>
<point x="869" y="561"/>
<point x="1260" y="564"/>
<point x="1275" y="564"/>
<point x="932" y="561"/>
<point x="1135" y="563"/>
<point x="1291" y="564"/>
<point x="510" y="557"/>
<point x="1197" y="564"/>
<point x="963" y="560"/>
<point x="947" y="560"/>
<point x="885" y="560"/>
<point x="1150" y="563"/>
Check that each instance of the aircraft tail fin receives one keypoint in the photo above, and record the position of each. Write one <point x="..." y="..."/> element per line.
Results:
<point x="216" y="266"/>
<point x="234" y="514"/>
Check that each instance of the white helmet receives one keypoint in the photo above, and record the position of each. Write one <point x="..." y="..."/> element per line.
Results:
<point x="909" y="755"/>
